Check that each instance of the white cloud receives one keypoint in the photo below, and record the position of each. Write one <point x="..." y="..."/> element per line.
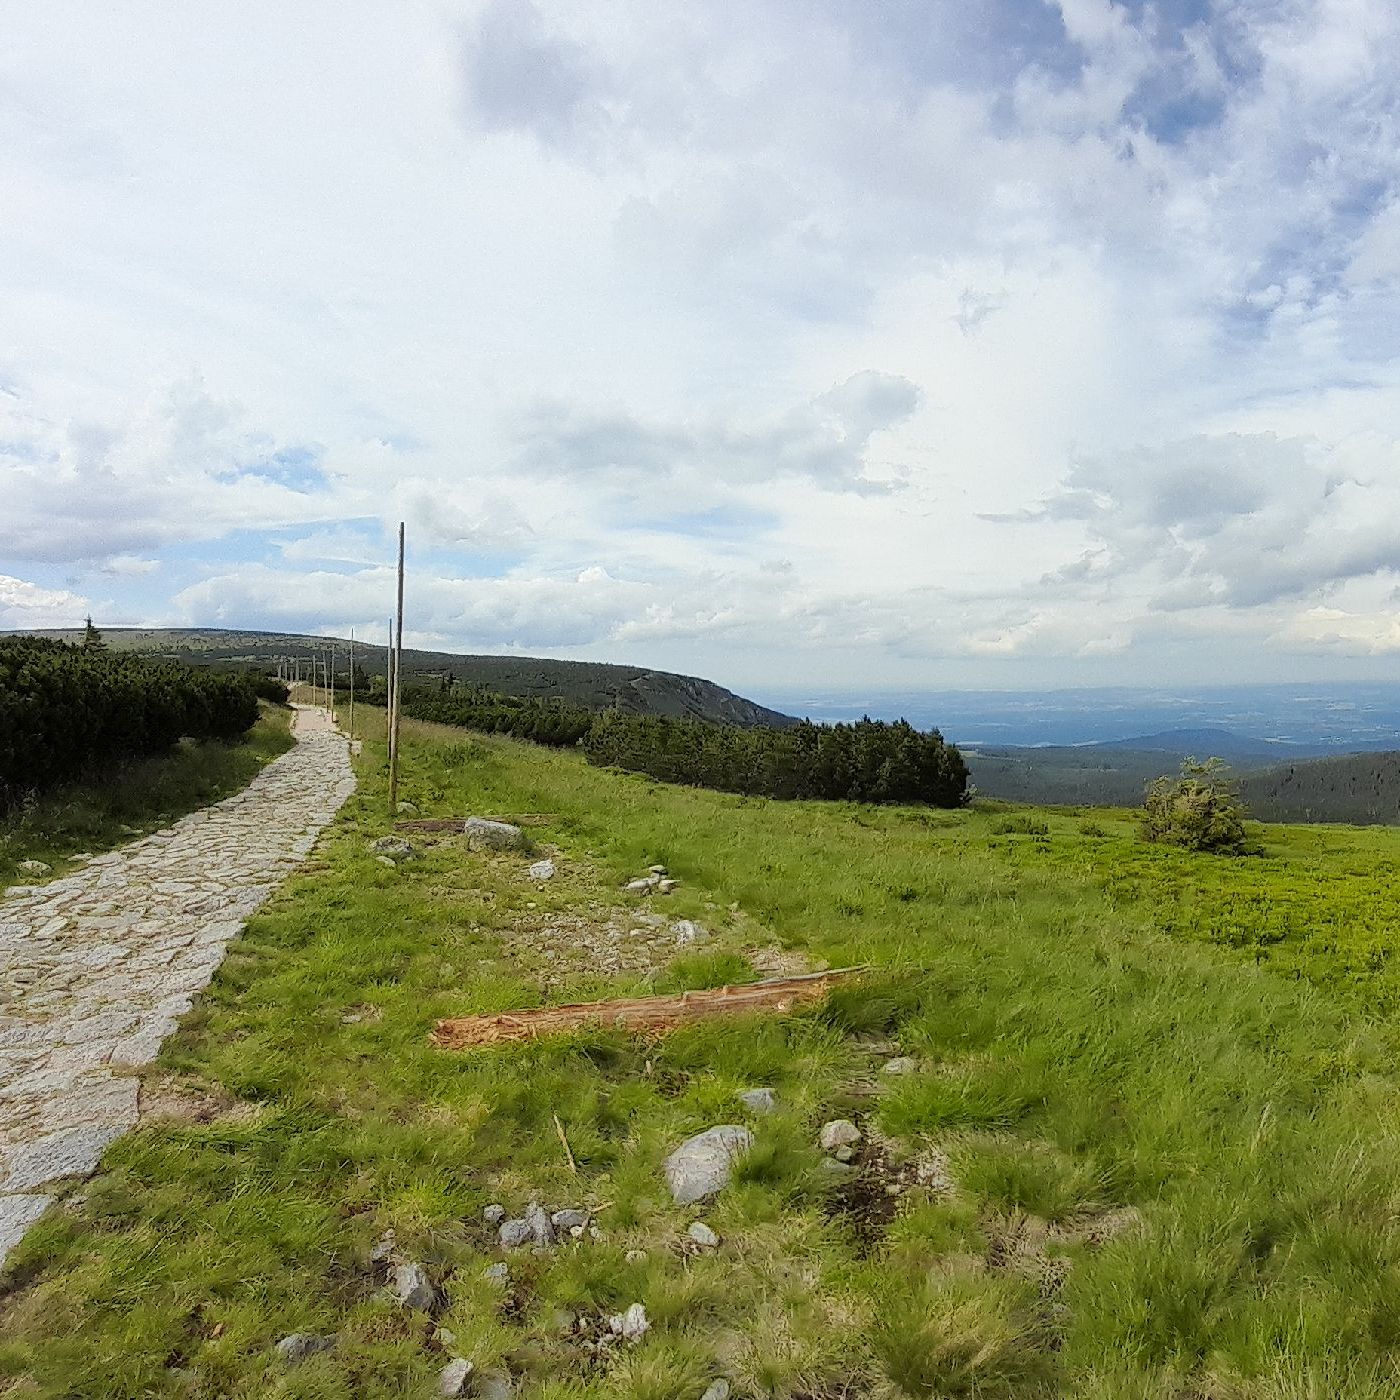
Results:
<point x="24" y="604"/>
<point x="724" y="338"/>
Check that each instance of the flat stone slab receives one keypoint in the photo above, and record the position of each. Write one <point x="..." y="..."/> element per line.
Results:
<point x="97" y="968"/>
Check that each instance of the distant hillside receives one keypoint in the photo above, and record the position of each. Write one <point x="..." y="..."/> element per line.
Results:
<point x="1110" y="774"/>
<point x="594" y="685"/>
<point x="1208" y="743"/>
<point x="1361" y="788"/>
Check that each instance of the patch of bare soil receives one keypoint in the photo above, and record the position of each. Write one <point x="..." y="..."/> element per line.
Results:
<point x="164" y="1098"/>
<point x="592" y="941"/>
<point x="885" y="1171"/>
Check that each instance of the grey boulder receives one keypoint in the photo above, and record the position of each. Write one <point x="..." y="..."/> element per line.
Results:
<point x="702" y="1165"/>
<point x="411" y="1288"/>
<point x="394" y="846"/>
<point x="485" y="835"/>
<point x="299" y="1345"/>
<point x="452" y="1379"/>
<point x="759" y="1100"/>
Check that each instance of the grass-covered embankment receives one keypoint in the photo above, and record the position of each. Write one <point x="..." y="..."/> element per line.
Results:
<point x="1077" y="1065"/>
<point x="118" y="800"/>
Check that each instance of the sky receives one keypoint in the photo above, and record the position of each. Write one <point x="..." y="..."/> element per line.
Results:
<point x="794" y="343"/>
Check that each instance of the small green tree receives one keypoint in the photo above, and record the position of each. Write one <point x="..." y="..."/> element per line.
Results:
<point x="92" y="638"/>
<point x="1200" y="810"/>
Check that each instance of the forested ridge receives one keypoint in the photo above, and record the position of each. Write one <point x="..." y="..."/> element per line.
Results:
<point x="66" y="709"/>
<point x="1361" y="788"/>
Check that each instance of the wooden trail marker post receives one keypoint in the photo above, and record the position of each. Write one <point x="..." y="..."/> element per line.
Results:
<point x="352" y="682"/>
<point x="398" y="680"/>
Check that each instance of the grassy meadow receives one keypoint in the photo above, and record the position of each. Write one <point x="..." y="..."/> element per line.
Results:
<point x="1148" y="1144"/>
<point x="124" y="800"/>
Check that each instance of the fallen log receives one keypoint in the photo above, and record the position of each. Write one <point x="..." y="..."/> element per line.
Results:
<point x="645" y="1015"/>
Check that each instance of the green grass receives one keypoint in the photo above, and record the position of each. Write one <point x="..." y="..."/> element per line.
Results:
<point x="1085" y="1042"/>
<point x="130" y="799"/>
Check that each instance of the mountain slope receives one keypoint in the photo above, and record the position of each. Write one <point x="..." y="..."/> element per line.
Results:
<point x="592" y="684"/>
<point x="1362" y="788"/>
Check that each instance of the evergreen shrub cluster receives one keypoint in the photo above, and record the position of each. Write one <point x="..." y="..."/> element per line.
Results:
<point x="66" y="708"/>
<point x="542" y="721"/>
<point x="869" y="761"/>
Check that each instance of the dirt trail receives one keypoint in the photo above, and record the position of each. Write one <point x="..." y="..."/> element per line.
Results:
<point x="97" y="968"/>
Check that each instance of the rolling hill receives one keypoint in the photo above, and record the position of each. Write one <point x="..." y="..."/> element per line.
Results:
<point x="594" y="685"/>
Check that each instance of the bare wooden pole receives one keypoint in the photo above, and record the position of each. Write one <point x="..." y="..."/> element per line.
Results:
<point x="398" y="682"/>
<point x="389" y="688"/>
<point x="330" y="678"/>
<point x="352" y="682"/>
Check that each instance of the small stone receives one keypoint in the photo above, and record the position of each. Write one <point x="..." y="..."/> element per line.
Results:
<point x="452" y="1379"/>
<point x="656" y="869"/>
<point x="515" y="1233"/>
<point x="299" y="1345"/>
<point x="644" y="886"/>
<point x="493" y="1215"/>
<point x="484" y="835"/>
<point x="392" y="846"/>
<point x="494" y="1385"/>
<point x="703" y="1164"/>
<point x="636" y="1256"/>
<point x="631" y="1325"/>
<point x="33" y="867"/>
<point x="411" y="1288"/>
<point x="666" y="886"/>
<point x="541" y="1230"/>
<point x="385" y="860"/>
<point x="844" y="1153"/>
<point x="759" y="1100"/>
<point x="718" y="1391"/>
<point x="840" y="1132"/>
<point x="688" y="932"/>
<point x="905" y="1064"/>
<point x="406" y="809"/>
<point x="569" y="1219"/>
<point x="383" y="1247"/>
<point x="836" y="1172"/>
<point x="444" y="1337"/>
<point x="496" y="1273"/>
<point x="701" y="1236"/>
<point x="542" y="870"/>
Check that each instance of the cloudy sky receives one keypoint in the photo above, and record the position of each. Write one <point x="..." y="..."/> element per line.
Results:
<point x="792" y="343"/>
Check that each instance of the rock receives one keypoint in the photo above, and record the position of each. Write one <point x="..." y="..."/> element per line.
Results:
<point x="656" y="869"/>
<point x="718" y="1391"/>
<point x="494" y="1385"/>
<point x="493" y="1215"/>
<point x="406" y="809"/>
<point x="299" y="1345"/>
<point x="386" y="860"/>
<point x="541" y="1229"/>
<point x="392" y="846"/>
<point x="759" y="1100"/>
<point x="666" y="886"/>
<point x="834" y="1173"/>
<point x="569" y="1219"/>
<point x="383" y="1247"/>
<point x="497" y="1273"/>
<point x="411" y="1288"/>
<point x="904" y="1064"/>
<point x="643" y="886"/>
<point x="840" y="1132"/>
<point x="701" y="1236"/>
<point x="631" y="1325"/>
<point x="702" y="1165"/>
<point x="636" y="1256"/>
<point x="444" y="1337"/>
<point x="844" y="1154"/>
<point x="514" y="1233"/>
<point x="34" y="867"/>
<point x="688" y="932"/>
<point x="484" y="835"/>
<point x="452" y="1379"/>
<point x="542" y="870"/>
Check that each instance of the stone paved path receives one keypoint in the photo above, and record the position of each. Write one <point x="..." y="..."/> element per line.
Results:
<point x="97" y="968"/>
